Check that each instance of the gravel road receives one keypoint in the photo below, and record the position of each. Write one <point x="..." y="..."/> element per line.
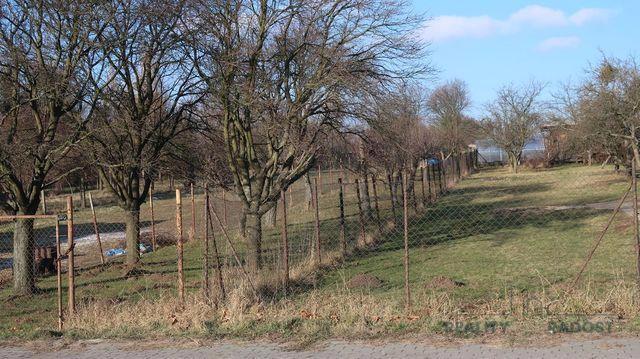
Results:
<point x="601" y="348"/>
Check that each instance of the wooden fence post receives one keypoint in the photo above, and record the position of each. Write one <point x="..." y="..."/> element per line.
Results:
<point x="375" y="202"/>
<point x="636" y="234"/>
<point x="192" y="232"/>
<point x="153" y="219"/>
<point x="407" y="291"/>
<point x="331" y="177"/>
<point x="391" y="194"/>
<point x="363" y="234"/>
<point x="180" y="245"/>
<point x="343" y="235"/>
<point x="422" y="180"/>
<point x="95" y="228"/>
<point x="285" y="243"/>
<point x="83" y="196"/>
<point x="205" y="255"/>
<point x="70" y="259"/>
<point x="429" y="198"/>
<point x="317" y="223"/>
<point x="59" y="275"/>
<point x="441" y="177"/>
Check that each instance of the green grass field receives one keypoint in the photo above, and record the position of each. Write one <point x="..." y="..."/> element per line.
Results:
<point x="498" y="231"/>
<point x="493" y="234"/>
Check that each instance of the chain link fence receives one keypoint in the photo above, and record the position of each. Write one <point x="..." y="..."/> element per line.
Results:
<point x="448" y="239"/>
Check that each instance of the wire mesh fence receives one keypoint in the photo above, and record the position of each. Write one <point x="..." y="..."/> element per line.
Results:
<point x="444" y="239"/>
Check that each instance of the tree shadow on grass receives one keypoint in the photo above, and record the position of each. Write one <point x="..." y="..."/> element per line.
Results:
<point x="457" y="217"/>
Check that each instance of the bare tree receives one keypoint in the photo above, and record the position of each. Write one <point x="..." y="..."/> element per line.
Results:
<point x="454" y="129"/>
<point x="401" y="140"/>
<point x="608" y="103"/>
<point x="145" y="107"/>
<point x="513" y="119"/>
<point x="284" y="73"/>
<point x="48" y="52"/>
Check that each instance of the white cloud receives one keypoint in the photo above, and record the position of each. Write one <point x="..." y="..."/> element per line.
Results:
<point x="587" y="15"/>
<point x="443" y="28"/>
<point x="554" y="43"/>
<point x="538" y="16"/>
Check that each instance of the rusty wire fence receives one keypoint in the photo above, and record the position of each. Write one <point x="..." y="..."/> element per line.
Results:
<point x="448" y="234"/>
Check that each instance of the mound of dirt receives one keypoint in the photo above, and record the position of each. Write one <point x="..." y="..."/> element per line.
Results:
<point x="366" y="281"/>
<point x="441" y="282"/>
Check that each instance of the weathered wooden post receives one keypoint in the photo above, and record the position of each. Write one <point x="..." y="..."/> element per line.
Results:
<point x="83" y="196"/>
<point x="153" y="219"/>
<point x="192" y="231"/>
<point x="422" y="180"/>
<point x="343" y="235"/>
<point x="316" y="204"/>
<point x="363" y="234"/>
<point x="206" y="291"/>
<point x="70" y="258"/>
<point x="331" y="177"/>
<point x="441" y="177"/>
<point x="180" y="245"/>
<point x="59" y="275"/>
<point x="407" y="291"/>
<point x="429" y="198"/>
<point x="285" y="243"/>
<point x="95" y="228"/>
<point x="393" y="199"/>
<point x="634" y="183"/>
<point x="375" y="202"/>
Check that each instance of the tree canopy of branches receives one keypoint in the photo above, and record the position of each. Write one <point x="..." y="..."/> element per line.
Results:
<point x="447" y="105"/>
<point x="400" y="139"/>
<point x="514" y="118"/>
<point x="281" y="74"/>
<point x="147" y="104"/>
<point x="608" y="108"/>
<point x="48" y="51"/>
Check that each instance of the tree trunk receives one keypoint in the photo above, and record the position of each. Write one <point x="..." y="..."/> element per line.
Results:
<point x="24" y="278"/>
<point x="242" y="222"/>
<point x="253" y="238"/>
<point x="513" y="162"/>
<point x="271" y="217"/>
<point x="308" y="193"/>
<point x="394" y="190"/>
<point x="411" y="188"/>
<point x="132" y="235"/>
<point x="366" y="198"/>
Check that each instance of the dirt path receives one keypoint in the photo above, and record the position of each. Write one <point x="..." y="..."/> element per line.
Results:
<point x="600" y="348"/>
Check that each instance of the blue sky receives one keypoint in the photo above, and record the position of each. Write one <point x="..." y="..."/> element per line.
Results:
<point x="491" y="43"/>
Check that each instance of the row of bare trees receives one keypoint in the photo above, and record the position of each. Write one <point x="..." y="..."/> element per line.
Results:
<point x="248" y="88"/>
<point x="248" y="95"/>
